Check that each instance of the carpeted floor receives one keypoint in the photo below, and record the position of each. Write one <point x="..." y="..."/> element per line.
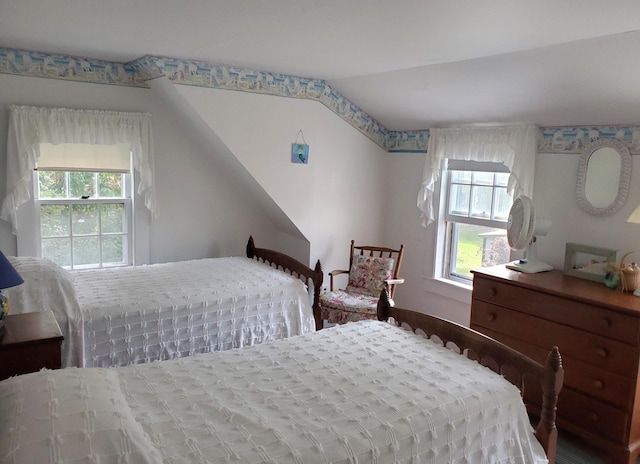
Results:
<point x="572" y="450"/>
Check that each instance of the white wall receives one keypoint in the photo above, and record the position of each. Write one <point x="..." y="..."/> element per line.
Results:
<point x="555" y="199"/>
<point x="349" y="189"/>
<point x="203" y="211"/>
<point x="338" y="196"/>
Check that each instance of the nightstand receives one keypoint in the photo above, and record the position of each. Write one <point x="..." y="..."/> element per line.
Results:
<point x="30" y="341"/>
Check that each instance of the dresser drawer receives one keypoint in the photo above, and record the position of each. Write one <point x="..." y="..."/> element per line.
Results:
<point x="598" y="418"/>
<point x="581" y="315"/>
<point x="593" y="381"/>
<point x="610" y="355"/>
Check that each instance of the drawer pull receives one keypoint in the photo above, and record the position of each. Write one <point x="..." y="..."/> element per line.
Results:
<point x="602" y="352"/>
<point x="598" y="384"/>
<point x="593" y="417"/>
<point x="491" y="317"/>
<point x="493" y="291"/>
<point x="605" y="323"/>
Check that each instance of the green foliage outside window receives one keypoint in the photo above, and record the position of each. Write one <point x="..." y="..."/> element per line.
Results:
<point x="81" y="229"/>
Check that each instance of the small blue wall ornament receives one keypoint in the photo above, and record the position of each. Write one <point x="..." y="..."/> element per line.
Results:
<point x="300" y="151"/>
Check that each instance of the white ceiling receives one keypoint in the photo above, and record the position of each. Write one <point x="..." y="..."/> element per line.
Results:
<point x="410" y="64"/>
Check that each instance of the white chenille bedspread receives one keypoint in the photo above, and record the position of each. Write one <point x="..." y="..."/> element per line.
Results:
<point x="120" y="316"/>
<point x="364" y="392"/>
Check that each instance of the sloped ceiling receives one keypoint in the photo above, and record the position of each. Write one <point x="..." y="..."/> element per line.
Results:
<point x="409" y="64"/>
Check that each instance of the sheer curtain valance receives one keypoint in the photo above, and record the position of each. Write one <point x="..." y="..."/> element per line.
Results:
<point x="30" y="126"/>
<point x="514" y="146"/>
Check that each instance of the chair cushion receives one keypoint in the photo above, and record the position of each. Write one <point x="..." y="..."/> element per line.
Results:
<point x="368" y="273"/>
<point x="339" y="306"/>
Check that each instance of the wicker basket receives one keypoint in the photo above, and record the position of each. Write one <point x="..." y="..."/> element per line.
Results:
<point x="629" y="275"/>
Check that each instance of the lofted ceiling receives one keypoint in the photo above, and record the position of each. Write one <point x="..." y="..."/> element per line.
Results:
<point x="409" y="64"/>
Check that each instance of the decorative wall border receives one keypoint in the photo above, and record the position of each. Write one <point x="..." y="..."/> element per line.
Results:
<point x="198" y="73"/>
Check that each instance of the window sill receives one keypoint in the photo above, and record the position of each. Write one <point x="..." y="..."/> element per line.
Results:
<point x="447" y="288"/>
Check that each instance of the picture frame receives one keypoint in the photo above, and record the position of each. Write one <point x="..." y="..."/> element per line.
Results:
<point x="587" y="262"/>
<point x="300" y="153"/>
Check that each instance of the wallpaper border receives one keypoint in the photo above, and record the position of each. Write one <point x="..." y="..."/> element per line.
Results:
<point x="198" y="73"/>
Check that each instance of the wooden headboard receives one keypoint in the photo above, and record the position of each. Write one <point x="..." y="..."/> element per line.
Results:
<point x="294" y="267"/>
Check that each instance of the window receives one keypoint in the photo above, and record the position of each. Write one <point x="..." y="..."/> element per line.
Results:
<point x="476" y="209"/>
<point x="71" y="141"/>
<point x="85" y="218"/>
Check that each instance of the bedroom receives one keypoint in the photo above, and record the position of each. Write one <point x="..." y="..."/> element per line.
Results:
<point x="211" y="170"/>
<point x="221" y="180"/>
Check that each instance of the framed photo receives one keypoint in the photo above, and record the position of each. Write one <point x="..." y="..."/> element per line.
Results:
<point x="587" y="262"/>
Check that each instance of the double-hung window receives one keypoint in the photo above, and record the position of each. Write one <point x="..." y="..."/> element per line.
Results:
<point x="476" y="208"/>
<point x="84" y="205"/>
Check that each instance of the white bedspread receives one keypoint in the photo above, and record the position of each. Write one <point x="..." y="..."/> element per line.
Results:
<point x="364" y="392"/>
<point x="115" y="317"/>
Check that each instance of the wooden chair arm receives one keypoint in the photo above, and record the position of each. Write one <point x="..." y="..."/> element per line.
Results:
<point x="335" y="273"/>
<point x="394" y="281"/>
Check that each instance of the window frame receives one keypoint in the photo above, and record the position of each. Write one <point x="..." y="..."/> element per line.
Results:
<point x="444" y="242"/>
<point x="126" y="200"/>
<point x="28" y="238"/>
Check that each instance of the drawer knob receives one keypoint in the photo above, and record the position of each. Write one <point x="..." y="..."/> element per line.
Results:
<point x="598" y="384"/>
<point x="491" y="317"/>
<point x="602" y="352"/>
<point x="493" y="291"/>
<point x="593" y="417"/>
<point x="605" y="323"/>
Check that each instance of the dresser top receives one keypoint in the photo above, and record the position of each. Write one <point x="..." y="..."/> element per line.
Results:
<point x="556" y="283"/>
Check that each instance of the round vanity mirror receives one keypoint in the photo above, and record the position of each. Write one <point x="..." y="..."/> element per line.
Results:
<point x="604" y="173"/>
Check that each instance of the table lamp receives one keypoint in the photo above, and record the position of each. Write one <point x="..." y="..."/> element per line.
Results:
<point x="9" y="277"/>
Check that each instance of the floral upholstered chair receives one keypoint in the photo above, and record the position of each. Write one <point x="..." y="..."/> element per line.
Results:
<point x="371" y="269"/>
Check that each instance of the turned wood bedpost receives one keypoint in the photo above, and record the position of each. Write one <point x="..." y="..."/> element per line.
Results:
<point x="251" y="246"/>
<point x="546" y="431"/>
<point x="317" y="286"/>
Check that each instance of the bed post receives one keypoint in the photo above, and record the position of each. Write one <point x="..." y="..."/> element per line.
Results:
<point x="546" y="431"/>
<point x="317" y="285"/>
<point x="250" y="247"/>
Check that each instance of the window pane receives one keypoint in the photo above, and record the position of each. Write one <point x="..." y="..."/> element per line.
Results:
<point x="111" y="185"/>
<point x="54" y="220"/>
<point x="502" y="179"/>
<point x="481" y="198"/>
<point x="82" y="184"/>
<point x="459" y="200"/>
<point x="86" y="251"/>
<point x="477" y="246"/>
<point x="461" y="177"/>
<point x="85" y="219"/>
<point x="113" y="218"/>
<point x="57" y="250"/>
<point x="483" y="178"/>
<point x="51" y="184"/>
<point x="501" y="204"/>
<point x="113" y="251"/>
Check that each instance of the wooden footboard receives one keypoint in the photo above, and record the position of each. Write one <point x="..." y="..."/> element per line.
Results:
<point x="497" y="356"/>
<point x="294" y="267"/>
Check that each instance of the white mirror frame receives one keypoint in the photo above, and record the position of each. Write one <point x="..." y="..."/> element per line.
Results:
<point x="623" y="183"/>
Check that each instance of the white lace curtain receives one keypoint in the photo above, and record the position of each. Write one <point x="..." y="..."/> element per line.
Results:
<point x="30" y="126"/>
<point x="514" y="146"/>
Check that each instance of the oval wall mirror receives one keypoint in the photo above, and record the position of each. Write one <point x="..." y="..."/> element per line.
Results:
<point x="604" y="173"/>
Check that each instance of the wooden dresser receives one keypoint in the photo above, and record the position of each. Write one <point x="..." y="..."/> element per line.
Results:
<point x="598" y="333"/>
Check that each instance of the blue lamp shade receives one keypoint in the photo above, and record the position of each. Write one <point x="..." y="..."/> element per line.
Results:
<point x="9" y="277"/>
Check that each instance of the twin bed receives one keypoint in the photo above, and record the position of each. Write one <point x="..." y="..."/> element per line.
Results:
<point x="121" y="316"/>
<point x="367" y="391"/>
